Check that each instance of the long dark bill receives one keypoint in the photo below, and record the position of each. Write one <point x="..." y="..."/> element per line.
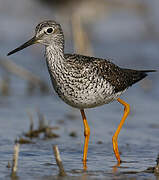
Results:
<point x="28" y="43"/>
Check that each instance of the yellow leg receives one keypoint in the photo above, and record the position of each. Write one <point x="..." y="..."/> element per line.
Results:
<point x="86" y="134"/>
<point x="115" y="137"/>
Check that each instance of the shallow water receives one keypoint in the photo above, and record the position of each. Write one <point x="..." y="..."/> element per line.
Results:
<point x="138" y="140"/>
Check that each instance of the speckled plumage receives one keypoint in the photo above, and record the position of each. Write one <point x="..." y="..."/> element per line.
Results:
<point x="81" y="81"/>
<point x="86" y="82"/>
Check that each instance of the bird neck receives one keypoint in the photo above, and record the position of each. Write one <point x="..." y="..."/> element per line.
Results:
<point x="56" y="65"/>
<point x="54" y="54"/>
<point x="55" y="59"/>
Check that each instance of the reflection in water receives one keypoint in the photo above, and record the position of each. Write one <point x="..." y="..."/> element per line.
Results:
<point x="84" y="165"/>
<point x="115" y="168"/>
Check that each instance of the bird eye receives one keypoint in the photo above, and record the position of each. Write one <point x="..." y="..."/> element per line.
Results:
<point x="49" y="30"/>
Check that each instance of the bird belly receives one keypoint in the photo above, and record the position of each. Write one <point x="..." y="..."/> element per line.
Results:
<point x="88" y="96"/>
<point x="90" y="102"/>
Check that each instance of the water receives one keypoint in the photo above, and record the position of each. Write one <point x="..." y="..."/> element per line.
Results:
<point x="138" y="140"/>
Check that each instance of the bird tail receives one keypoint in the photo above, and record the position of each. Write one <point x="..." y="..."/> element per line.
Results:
<point x="147" y="71"/>
<point x="137" y="75"/>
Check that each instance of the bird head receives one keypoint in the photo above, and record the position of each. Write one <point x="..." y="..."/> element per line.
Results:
<point x="46" y="33"/>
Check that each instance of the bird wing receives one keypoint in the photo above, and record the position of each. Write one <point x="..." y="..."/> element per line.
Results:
<point x="118" y="77"/>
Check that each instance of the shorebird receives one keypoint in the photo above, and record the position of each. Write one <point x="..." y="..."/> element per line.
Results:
<point x="82" y="81"/>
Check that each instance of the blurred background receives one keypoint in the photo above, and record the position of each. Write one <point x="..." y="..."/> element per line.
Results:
<point x="125" y="31"/>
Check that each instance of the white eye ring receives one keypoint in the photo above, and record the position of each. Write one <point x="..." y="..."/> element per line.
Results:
<point x="49" y="30"/>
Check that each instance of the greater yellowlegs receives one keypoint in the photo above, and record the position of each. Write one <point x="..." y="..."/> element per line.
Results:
<point x="83" y="81"/>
